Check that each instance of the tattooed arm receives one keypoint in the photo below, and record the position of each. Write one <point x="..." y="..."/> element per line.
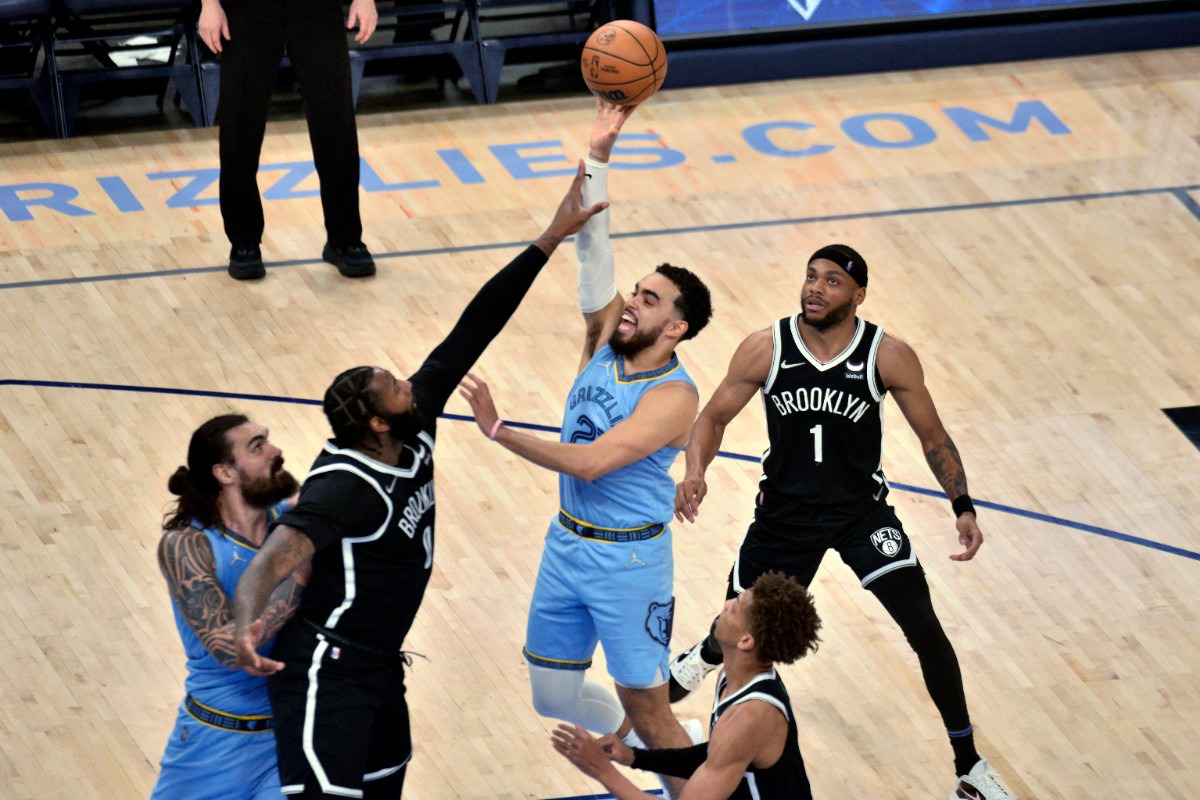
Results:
<point x="902" y="375"/>
<point x="286" y="550"/>
<point x="186" y="560"/>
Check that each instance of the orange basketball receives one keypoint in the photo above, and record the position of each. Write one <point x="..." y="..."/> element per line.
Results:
<point x="624" y="62"/>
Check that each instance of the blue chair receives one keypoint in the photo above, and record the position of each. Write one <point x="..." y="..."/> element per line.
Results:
<point x="90" y="36"/>
<point x="25" y="30"/>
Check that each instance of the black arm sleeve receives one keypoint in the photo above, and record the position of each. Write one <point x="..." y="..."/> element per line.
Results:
<point x="479" y="323"/>
<point x="678" y="762"/>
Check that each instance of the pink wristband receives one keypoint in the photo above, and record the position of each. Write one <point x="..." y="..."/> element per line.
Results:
<point x="495" y="429"/>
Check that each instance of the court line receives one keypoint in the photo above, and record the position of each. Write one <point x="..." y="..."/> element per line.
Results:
<point x="904" y="487"/>
<point x="1180" y="193"/>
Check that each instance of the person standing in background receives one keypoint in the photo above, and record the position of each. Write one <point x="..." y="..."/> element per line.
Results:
<point x="252" y="36"/>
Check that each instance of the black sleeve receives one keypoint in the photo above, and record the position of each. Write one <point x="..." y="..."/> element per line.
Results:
<point x="678" y="762"/>
<point x="335" y="505"/>
<point x="479" y="323"/>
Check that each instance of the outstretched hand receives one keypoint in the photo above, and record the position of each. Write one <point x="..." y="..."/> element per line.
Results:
<point x="969" y="536"/>
<point x="246" y="643"/>
<point x="570" y="216"/>
<point x="479" y="397"/>
<point x="606" y="128"/>
<point x="577" y="746"/>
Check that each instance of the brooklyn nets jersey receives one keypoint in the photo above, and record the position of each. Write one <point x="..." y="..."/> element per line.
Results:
<point x="825" y="428"/>
<point x="786" y="778"/>
<point x="371" y="525"/>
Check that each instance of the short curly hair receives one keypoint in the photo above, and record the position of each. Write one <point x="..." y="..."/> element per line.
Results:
<point x="694" y="302"/>
<point x="783" y="619"/>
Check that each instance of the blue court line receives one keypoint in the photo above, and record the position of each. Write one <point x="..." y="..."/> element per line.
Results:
<point x="1005" y="509"/>
<point x="1181" y="193"/>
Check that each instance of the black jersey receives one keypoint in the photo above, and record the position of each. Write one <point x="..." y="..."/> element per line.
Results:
<point x="372" y="524"/>
<point x="786" y="779"/>
<point x="824" y="428"/>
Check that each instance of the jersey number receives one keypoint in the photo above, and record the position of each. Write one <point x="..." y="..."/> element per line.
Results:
<point x="818" y="451"/>
<point x="587" y="432"/>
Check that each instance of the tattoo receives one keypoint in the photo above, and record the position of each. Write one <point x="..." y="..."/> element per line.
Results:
<point x="283" y="603"/>
<point x="947" y="467"/>
<point x="186" y="560"/>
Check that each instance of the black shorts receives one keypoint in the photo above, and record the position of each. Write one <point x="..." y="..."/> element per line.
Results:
<point x="872" y="545"/>
<point x="341" y="720"/>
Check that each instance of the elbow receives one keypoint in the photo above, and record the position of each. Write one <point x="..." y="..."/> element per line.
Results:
<point x="588" y="473"/>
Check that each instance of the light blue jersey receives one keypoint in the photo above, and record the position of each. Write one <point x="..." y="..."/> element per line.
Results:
<point x="222" y="746"/>
<point x="607" y="570"/>
<point x="636" y="495"/>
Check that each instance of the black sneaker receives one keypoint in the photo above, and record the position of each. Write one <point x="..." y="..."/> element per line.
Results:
<point x="245" y="263"/>
<point x="352" y="260"/>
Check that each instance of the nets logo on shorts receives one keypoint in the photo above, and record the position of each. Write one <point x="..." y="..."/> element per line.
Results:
<point x="887" y="541"/>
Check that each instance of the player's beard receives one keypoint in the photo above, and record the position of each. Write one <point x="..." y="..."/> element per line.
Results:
<point x="833" y="315"/>
<point x="266" y="492"/>
<point x="639" y="341"/>
<point x="405" y="426"/>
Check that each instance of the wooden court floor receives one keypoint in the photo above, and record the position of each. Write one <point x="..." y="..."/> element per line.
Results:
<point x="1033" y="231"/>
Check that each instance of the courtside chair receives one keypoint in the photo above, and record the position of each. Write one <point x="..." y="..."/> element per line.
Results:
<point x="421" y="32"/>
<point x="92" y="44"/>
<point x="25" y="30"/>
<point x="534" y="31"/>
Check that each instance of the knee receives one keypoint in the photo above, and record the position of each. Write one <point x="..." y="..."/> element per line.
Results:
<point x="553" y="696"/>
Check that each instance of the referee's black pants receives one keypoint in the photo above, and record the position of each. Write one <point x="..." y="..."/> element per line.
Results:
<point x="313" y="33"/>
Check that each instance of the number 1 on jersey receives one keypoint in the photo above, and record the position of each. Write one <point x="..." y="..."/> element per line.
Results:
<point x="818" y="453"/>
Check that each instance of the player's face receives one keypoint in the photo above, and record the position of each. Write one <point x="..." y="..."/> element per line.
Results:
<point x="395" y="405"/>
<point x="262" y="479"/>
<point x="734" y="620"/>
<point x="392" y="395"/>
<point x="648" y="313"/>
<point x="829" y="295"/>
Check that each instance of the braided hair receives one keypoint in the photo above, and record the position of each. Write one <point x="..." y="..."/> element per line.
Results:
<point x="350" y="404"/>
<point x="194" y="484"/>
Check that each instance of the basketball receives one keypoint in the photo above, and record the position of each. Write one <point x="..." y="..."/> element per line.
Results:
<point x="624" y="62"/>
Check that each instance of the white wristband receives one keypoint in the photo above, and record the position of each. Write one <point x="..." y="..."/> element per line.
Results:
<point x="597" y="284"/>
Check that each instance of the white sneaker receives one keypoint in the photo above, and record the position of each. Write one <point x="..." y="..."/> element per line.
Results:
<point x="632" y="739"/>
<point x="695" y="730"/>
<point x="688" y="671"/>
<point x="979" y="784"/>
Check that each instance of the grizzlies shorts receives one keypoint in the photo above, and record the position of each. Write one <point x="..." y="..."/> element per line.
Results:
<point x="203" y="762"/>
<point x="872" y="545"/>
<point x="616" y="593"/>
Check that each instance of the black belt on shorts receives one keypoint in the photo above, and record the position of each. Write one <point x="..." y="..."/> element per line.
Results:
<point x="229" y="722"/>
<point x="350" y="644"/>
<point x="610" y="534"/>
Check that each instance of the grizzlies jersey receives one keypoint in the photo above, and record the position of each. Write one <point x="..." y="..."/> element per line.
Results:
<point x="230" y="691"/>
<point x="638" y="494"/>
<point x="786" y="779"/>
<point x="824" y="427"/>
<point x="371" y="525"/>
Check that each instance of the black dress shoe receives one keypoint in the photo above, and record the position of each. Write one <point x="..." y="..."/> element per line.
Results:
<point x="245" y="263"/>
<point x="352" y="260"/>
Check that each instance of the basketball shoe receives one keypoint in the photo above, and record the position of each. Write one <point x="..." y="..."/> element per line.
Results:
<point x="979" y="784"/>
<point x="688" y="671"/>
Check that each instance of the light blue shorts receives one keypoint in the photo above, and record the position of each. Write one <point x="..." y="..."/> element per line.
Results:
<point x="202" y="762"/>
<point x="616" y="593"/>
